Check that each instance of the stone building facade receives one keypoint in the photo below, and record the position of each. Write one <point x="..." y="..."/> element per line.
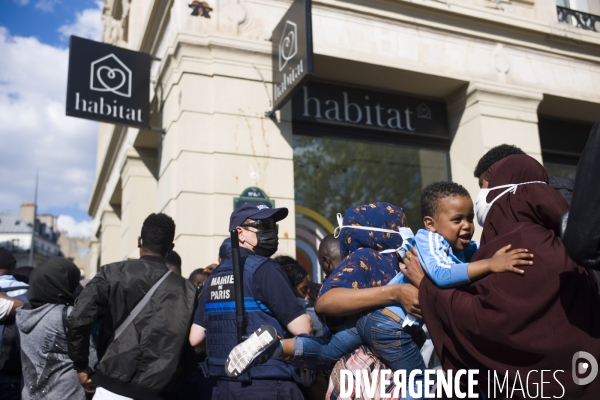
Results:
<point x="505" y="72"/>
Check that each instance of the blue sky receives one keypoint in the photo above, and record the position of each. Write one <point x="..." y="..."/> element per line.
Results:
<point x="41" y="19"/>
<point x="34" y="130"/>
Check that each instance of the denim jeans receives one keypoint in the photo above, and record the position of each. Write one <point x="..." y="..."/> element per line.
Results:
<point x="385" y="337"/>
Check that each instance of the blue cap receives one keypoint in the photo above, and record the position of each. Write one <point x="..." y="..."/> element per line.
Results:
<point x="256" y="211"/>
<point x="225" y="249"/>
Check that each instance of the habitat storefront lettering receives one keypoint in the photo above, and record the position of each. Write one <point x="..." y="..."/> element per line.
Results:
<point x="324" y="102"/>
<point x="347" y="111"/>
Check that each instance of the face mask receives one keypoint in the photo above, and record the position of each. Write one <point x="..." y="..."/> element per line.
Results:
<point x="483" y="207"/>
<point x="266" y="242"/>
<point x="302" y="302"/>
<point x="406" y="234"/>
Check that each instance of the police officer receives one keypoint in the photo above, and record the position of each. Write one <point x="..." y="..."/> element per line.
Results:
<point x="268" y="300"/>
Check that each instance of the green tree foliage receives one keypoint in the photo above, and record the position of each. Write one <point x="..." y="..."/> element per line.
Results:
<point x="332" y="175"/>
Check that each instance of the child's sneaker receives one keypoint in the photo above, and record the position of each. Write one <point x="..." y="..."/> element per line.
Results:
<point x="242" y="355"/>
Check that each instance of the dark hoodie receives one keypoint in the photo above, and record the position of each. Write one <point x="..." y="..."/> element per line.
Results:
<point x="47" y="370"/>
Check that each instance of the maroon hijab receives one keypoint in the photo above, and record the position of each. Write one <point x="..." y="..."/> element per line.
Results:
<point x="506" y="322"/>
<point x="537" y="203"/>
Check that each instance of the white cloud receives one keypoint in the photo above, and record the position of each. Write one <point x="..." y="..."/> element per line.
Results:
<point x="74" y="229"/>
<point x="88" y="24"/>
<point x="45" y="5"/>
<point x="35" y="132"/>
<point x="21" y="2"/>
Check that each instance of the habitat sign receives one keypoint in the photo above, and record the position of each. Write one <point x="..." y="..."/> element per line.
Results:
<point x="292" y="52"/>
<point x="108" y="83"/>
<point x="349" y="107"/>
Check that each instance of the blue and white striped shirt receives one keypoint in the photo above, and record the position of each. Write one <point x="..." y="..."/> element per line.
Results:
<point x="445" y="267"/>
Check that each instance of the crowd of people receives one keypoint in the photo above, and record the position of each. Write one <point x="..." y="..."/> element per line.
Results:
<point x="514" y="302"/>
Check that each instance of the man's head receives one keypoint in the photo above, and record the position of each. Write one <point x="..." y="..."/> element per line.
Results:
<point x="298" y="277"/>
<point x="447" y="208"/>
<point x="257" y="227"/>
<point x="329" y="254"/>
<point x="156" y="239"/>
<point x="7" y="262"/>
<point x="198" y="277"/>
<point x="208" y="270"/>
<point x="490" y="158"/>
<point x="173" y="262"/>
<point x="225" y="250"/>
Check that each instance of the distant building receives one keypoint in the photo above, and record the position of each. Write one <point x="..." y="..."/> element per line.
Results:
<point x="77" y="249"/>
<point x="15" y="235"/>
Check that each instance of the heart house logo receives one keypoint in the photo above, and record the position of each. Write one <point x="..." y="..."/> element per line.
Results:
<point x="109" y="74"/>
<point x="288" y="45"/>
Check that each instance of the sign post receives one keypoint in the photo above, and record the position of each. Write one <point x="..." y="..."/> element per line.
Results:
<point x="108" y="83"/>
<point x="253" y="195"/>
<point x="292" y="52"/>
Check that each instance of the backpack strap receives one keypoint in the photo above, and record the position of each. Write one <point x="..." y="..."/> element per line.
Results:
<point x="139" y="306"/>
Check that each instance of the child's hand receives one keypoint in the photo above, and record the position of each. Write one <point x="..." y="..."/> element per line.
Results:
<point x="505" y="260"/>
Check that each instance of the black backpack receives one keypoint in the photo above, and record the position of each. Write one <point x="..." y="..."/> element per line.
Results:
<point x="10" y="349"/>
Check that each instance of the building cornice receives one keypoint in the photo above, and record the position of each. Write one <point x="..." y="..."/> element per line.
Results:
<point x="452" y="17"/>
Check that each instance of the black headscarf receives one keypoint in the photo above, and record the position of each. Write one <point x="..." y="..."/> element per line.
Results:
<point x="53" y="282"/>
<point x="7" y="261"/>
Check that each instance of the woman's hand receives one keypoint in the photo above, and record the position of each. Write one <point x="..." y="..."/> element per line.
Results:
<point x="408" y="295"/>
<point x="412" y="268"/>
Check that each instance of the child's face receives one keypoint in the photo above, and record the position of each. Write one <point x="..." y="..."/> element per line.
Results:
<point x="454" y="221"/>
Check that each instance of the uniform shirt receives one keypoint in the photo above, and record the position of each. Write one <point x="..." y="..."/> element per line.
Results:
<point x="272" y="288"/>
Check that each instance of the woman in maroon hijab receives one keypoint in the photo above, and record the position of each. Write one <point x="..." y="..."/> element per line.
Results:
<point x="520" y="324"/>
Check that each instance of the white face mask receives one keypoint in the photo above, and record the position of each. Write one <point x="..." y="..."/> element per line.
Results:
<point x="406" y="234"/>
<point x="483" y="207"/>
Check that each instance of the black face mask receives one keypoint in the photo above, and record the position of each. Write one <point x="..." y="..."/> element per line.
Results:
<point x="267" y="242"/>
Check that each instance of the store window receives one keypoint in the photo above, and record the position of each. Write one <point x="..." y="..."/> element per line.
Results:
<point x="338" y="165"/>
<point x="562" y="144"/>
<point x="332" y="174"/>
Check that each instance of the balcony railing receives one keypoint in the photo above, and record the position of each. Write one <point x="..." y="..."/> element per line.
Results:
<point x="577" y="18"/>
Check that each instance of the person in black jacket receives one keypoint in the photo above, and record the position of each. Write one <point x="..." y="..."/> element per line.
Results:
<point x="144" y="361"/>
<point x="582" y="234"/>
